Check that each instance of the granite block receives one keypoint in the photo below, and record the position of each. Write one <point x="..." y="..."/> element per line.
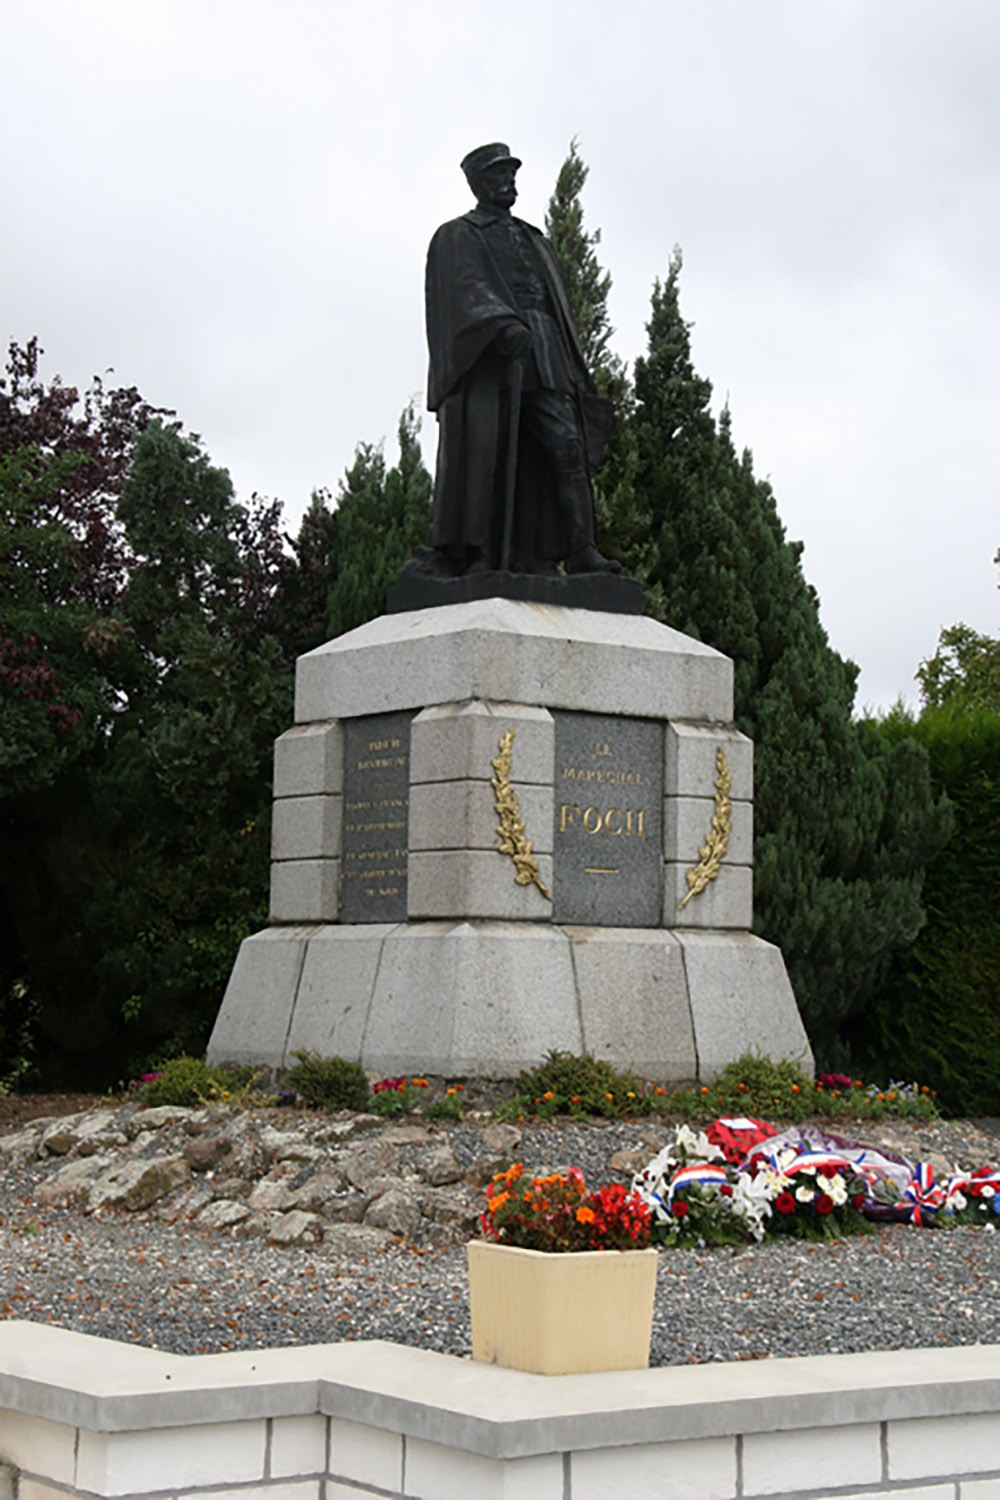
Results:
<point x="458" y="883"/>
<point x="459" y="741"/>
<point x="305" y="890"/>
<point x="463" y="999"/>
<point x="335" y="989"/>
<point x="634" y="1002"/>
<point x="508" y="651"/>
<point x="463" y="815"/>
<point x="306" y="827"/>
<point x="687" y="823"/>
<point x="690" y="765"/>
<point x="309" y="760"/>
<point x="256" y="1009"/>
<point x="741" y="1000"/>
<point x="727" y="901"/>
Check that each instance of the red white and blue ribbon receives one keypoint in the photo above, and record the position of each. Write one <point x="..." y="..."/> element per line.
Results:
<point x="922" y="1195"/>
<point x="699" y="1174"/>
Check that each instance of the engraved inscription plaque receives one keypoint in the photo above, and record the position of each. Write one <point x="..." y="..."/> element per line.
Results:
<point x="376" y="809"/>
<point x="608" y="867"/>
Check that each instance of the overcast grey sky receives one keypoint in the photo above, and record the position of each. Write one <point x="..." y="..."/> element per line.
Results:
<point x="229" y="202"/>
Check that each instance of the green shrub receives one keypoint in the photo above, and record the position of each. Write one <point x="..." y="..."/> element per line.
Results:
<point x="329" y="1083"/>
<point x="584" y="1085"/>
<point x="184" y="1080"/>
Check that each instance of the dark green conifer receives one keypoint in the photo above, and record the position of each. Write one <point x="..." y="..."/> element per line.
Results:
<point x="381" y="518"/>
<point x="844" y="821"/>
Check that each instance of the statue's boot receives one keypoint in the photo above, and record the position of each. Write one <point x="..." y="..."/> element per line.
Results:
<point x="589" y="560"/>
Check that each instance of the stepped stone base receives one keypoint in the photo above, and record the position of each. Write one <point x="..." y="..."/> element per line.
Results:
<point x="490" y="998"/>
<point x="405" y="933"/>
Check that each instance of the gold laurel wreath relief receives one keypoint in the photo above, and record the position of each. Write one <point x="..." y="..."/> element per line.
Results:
<point x="513" y="840"/>
<point x="713" y="851"/>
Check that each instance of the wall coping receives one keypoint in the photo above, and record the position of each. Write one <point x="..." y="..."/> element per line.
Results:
<point x="104" y="1386"/>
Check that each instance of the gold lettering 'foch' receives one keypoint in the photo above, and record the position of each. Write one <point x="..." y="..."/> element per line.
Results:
<point x="608" y="865"/>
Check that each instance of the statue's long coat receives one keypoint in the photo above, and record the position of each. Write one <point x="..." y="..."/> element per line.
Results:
<point x="467" y="302"/>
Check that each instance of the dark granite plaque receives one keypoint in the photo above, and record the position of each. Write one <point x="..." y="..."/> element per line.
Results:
<point x="376" y="809"/>
<point x="608" y="867"/>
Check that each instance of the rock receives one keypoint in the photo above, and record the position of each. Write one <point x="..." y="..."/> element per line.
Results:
<point x="396" y="1211"/>
<point x="21" y="1148"/>
<point x="222" y="1214"/>
<point x="346" y="1127"/>
<point x="346" y="1208"/>
<point x="355" y="1239"/>
<point x="364" y="1163"/>
<point x="273" y="1194"/>
<point x="319" y="1189"/>
<point x="439" y="1165"/>
<point x="156" y="1118"/>
<point x="137" y="1184"/>
<point x="206" y="1151"/>
<point x="257" y="1226"/>
<point x="60" y="1137"/>
<point x="108" y="1140"/>
<point x="502" y="1138"/>
<point x="484" y="1169"/>
<point x="71" y="1183"/>
<point x="296" y="1228"/>
<point x="287" y="1145"/>
<point x="453" y="1210"/>
<point x="231" y="1187"/>
<point x="626" y="1163"/>
<point x="185" y="1205"/>
<point x="409" y="1134"/>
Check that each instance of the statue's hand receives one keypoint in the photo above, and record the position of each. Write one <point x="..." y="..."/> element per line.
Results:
<point x="513" y="341"/>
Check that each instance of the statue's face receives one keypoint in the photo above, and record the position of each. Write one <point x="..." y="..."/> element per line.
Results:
<point x="495" y="185"/>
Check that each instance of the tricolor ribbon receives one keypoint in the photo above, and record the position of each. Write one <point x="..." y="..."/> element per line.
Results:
<point x="699" y="1174"/>
<point x="922" y="1195"/>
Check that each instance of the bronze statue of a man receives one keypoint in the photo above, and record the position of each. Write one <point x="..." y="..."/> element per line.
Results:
<point x="520" y="422"/>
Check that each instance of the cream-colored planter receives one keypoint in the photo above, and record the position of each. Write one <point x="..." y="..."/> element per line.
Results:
<point x="561" y="1314"/>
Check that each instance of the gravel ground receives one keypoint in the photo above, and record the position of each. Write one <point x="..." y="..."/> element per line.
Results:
<point x="136" y="1278"/>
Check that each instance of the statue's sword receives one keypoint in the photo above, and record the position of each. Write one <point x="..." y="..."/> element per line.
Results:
<point x="516" y="383"/>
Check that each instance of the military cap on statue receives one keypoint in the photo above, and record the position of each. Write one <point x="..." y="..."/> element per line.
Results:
<point x="487" y="156"/>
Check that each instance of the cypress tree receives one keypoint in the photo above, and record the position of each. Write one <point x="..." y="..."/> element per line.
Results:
<point x="620" y="525"/>
<point x="381" y="518"/>
<point x="845" y="821"/>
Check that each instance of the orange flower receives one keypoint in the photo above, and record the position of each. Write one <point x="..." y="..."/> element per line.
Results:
<point x="659" y="1091"/>
<point x="498" y="1202"/>
<point x="420" y="1083"/>
<point x="585" y="1215"/>
<point x="575" y="1099"/>
<point x="795" y="1088"/>
<point x="548" y="1095"/>
<point x="610" y="1096"/>
<point x="742" y="1088"/>
<point x="704" y="1090"/>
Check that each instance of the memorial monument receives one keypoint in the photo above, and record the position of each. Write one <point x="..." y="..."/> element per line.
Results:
<point x="513" y="813"/>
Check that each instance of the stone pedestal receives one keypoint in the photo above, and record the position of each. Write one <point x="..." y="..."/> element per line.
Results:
<point x="502" y="827"/>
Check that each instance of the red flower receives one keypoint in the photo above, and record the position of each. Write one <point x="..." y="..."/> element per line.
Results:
<point x="824" y="1203"/>
<point x="725" y="1191"/>
<point x="680" y="1209"/>
<point x="859" y="1201"/>
<point x="785" y="1203"/>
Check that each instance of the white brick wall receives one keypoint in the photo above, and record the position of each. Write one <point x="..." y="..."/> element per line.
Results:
<point x="437" y="1473"/>
<point x="924" y="1447"/>
<point x="365" y="1454"/>
<point x="298" y="1446"/>
<point x="781" y="1461"/>
<point x="443" y="1419"/>
<point x="122" y="1463"/>
<point x="700" y="1469"/>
